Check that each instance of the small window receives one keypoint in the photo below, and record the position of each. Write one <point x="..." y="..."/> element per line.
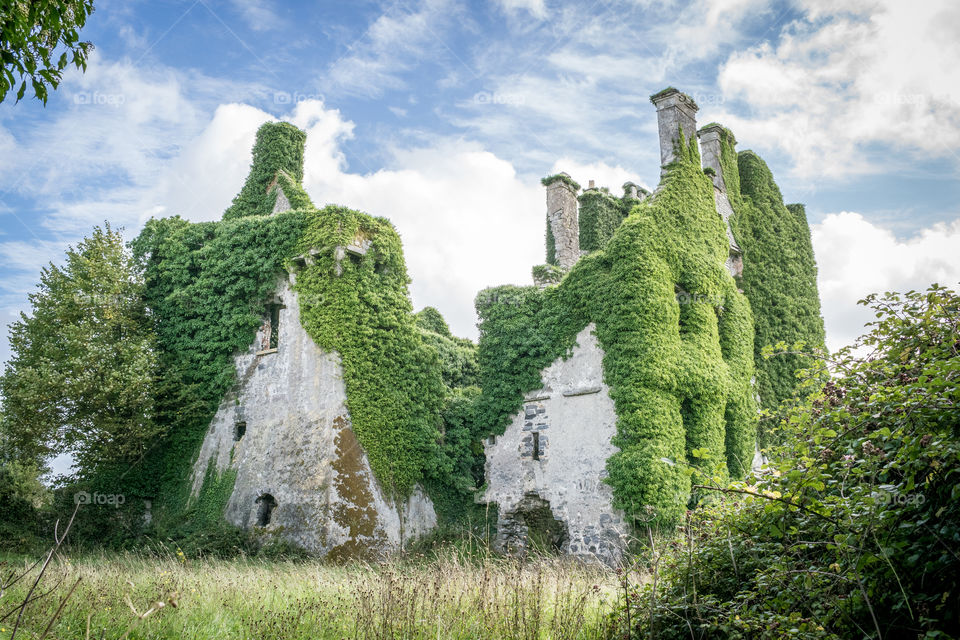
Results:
<point x="274" y="325"/>
<point x="265" y="506"/>
<point x="239" y="430"/>
<point x="492" y="440"/>
<point x="536" y="445"/>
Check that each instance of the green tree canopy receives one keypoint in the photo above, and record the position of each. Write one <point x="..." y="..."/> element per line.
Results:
<point x="32" y="33"/>
<point x="82" y="372"/>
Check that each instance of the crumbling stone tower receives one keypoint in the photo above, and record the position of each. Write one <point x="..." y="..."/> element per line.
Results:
<point x="563" y="228"/>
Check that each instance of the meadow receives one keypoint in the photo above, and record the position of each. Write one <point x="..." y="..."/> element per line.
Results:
<point x="448" y="594"/>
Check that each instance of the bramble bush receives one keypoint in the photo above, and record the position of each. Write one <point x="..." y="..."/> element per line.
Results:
<point x="852" y="530"/>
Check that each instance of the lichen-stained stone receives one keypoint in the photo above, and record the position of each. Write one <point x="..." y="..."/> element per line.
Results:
<point x="298" y="447"/>
<point x="575" y="408"/>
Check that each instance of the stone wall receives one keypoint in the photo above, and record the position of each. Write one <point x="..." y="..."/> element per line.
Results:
<point x="553" y="454"/>
<point x="296" y="449"/>
<point x="564" y="225"/>
<point x="676" y="112"/>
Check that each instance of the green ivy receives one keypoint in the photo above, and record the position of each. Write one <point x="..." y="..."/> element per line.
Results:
<point x="548" y="180"/>
<point x="548" y="274"/>
<point x="277" y="156"/>
<point x="600" y="215"/>
<point x="206" y="285"/>
<point x="779" y="270"/>
<point x="359" y="307"/>
<point x="677" y="337"/>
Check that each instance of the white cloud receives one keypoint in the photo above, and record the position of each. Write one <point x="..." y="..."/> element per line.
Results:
<point x="257" y="14"/>
<point x="849" y="76"/>
<point x="536" y="8"/>
<point x="467" y="221"/>
<point x="856" y="258"/>
<point x="612" y="177"/>
<point x="395" y="42"/>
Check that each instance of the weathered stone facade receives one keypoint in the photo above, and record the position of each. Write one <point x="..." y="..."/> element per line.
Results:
<point x="553" y="455"/>
<point x="676" y="112"/>
<point x="562" y="216"/>
<point x="300" y="472"/>
<point x="710" y="157"/>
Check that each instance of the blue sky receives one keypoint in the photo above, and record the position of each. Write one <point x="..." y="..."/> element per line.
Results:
<point x="443" y="115"/>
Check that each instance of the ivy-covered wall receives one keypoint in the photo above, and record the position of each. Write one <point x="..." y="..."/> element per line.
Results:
<point x="208" y="285"/>
<point x="779" y="270"/>
<point x="677" y="337"/>
<point x="359" y="307"/>
<point x="600" y="215"/>
<point x="277" y="156"/>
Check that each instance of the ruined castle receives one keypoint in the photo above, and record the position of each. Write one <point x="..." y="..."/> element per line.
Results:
<point x="637" y="359"/>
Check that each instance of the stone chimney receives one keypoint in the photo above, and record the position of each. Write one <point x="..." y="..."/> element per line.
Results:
<point x="676" y="112"/>
<point x="562" y="219"/>
<point x="710" y="139"/>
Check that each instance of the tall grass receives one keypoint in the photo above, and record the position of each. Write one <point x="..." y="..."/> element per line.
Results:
<point x="445" y="595"/>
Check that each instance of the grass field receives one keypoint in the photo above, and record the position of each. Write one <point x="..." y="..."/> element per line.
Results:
<point x="445" y="595"/>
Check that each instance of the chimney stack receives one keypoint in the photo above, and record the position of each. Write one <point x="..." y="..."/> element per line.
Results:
<point x="676" y="112"/>
<point x="562" y="219"/>
<point x="710" y="151"/>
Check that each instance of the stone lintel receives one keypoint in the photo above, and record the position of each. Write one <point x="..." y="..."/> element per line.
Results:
<point x="581" y="392"/>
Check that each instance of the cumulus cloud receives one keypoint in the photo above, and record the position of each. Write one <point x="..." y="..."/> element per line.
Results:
<point x="850" y="75"/>
<point x="466" y="219"/>
<point x="857" y="258"/>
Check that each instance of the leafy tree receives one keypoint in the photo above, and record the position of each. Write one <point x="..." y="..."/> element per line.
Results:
<point x="81" y="376"/>
<point x="853" y="530"/>
<point x="31" y="34"/>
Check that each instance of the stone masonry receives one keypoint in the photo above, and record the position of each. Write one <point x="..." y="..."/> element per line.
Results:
<point x="676" y="112"/>
<point x="300" y="472"/>
<point x="553" y="456"/>
<point x="710" y="154"/>
<point x="562" y="215"/>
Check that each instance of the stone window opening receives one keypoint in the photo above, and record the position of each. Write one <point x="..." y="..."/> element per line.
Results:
<point x="536" y="445"/>
<point x="239" y="430"/>
<point x="274" y="325"/>
<point x="265" y="506"/>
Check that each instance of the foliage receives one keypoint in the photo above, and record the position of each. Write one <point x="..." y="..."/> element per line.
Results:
<point x="548" y="274"/>
<point x="779" y="271"/>
<point x="277" y="157"/>
<point x="82" y="373"/>
<point x="32" y="32"/>
<point x="460" y="468"/>
<point x="677" y="338"/>
<point x="600" y="215"/>
<point x="207" y="285"/>
<point x="458" y="356"/>
<point x="21" y="495"/>
<point x="853" y="529"/>
<point x="429" y="319"/>
<point x="359" y="307"/>
<point x="548" y="180"/>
